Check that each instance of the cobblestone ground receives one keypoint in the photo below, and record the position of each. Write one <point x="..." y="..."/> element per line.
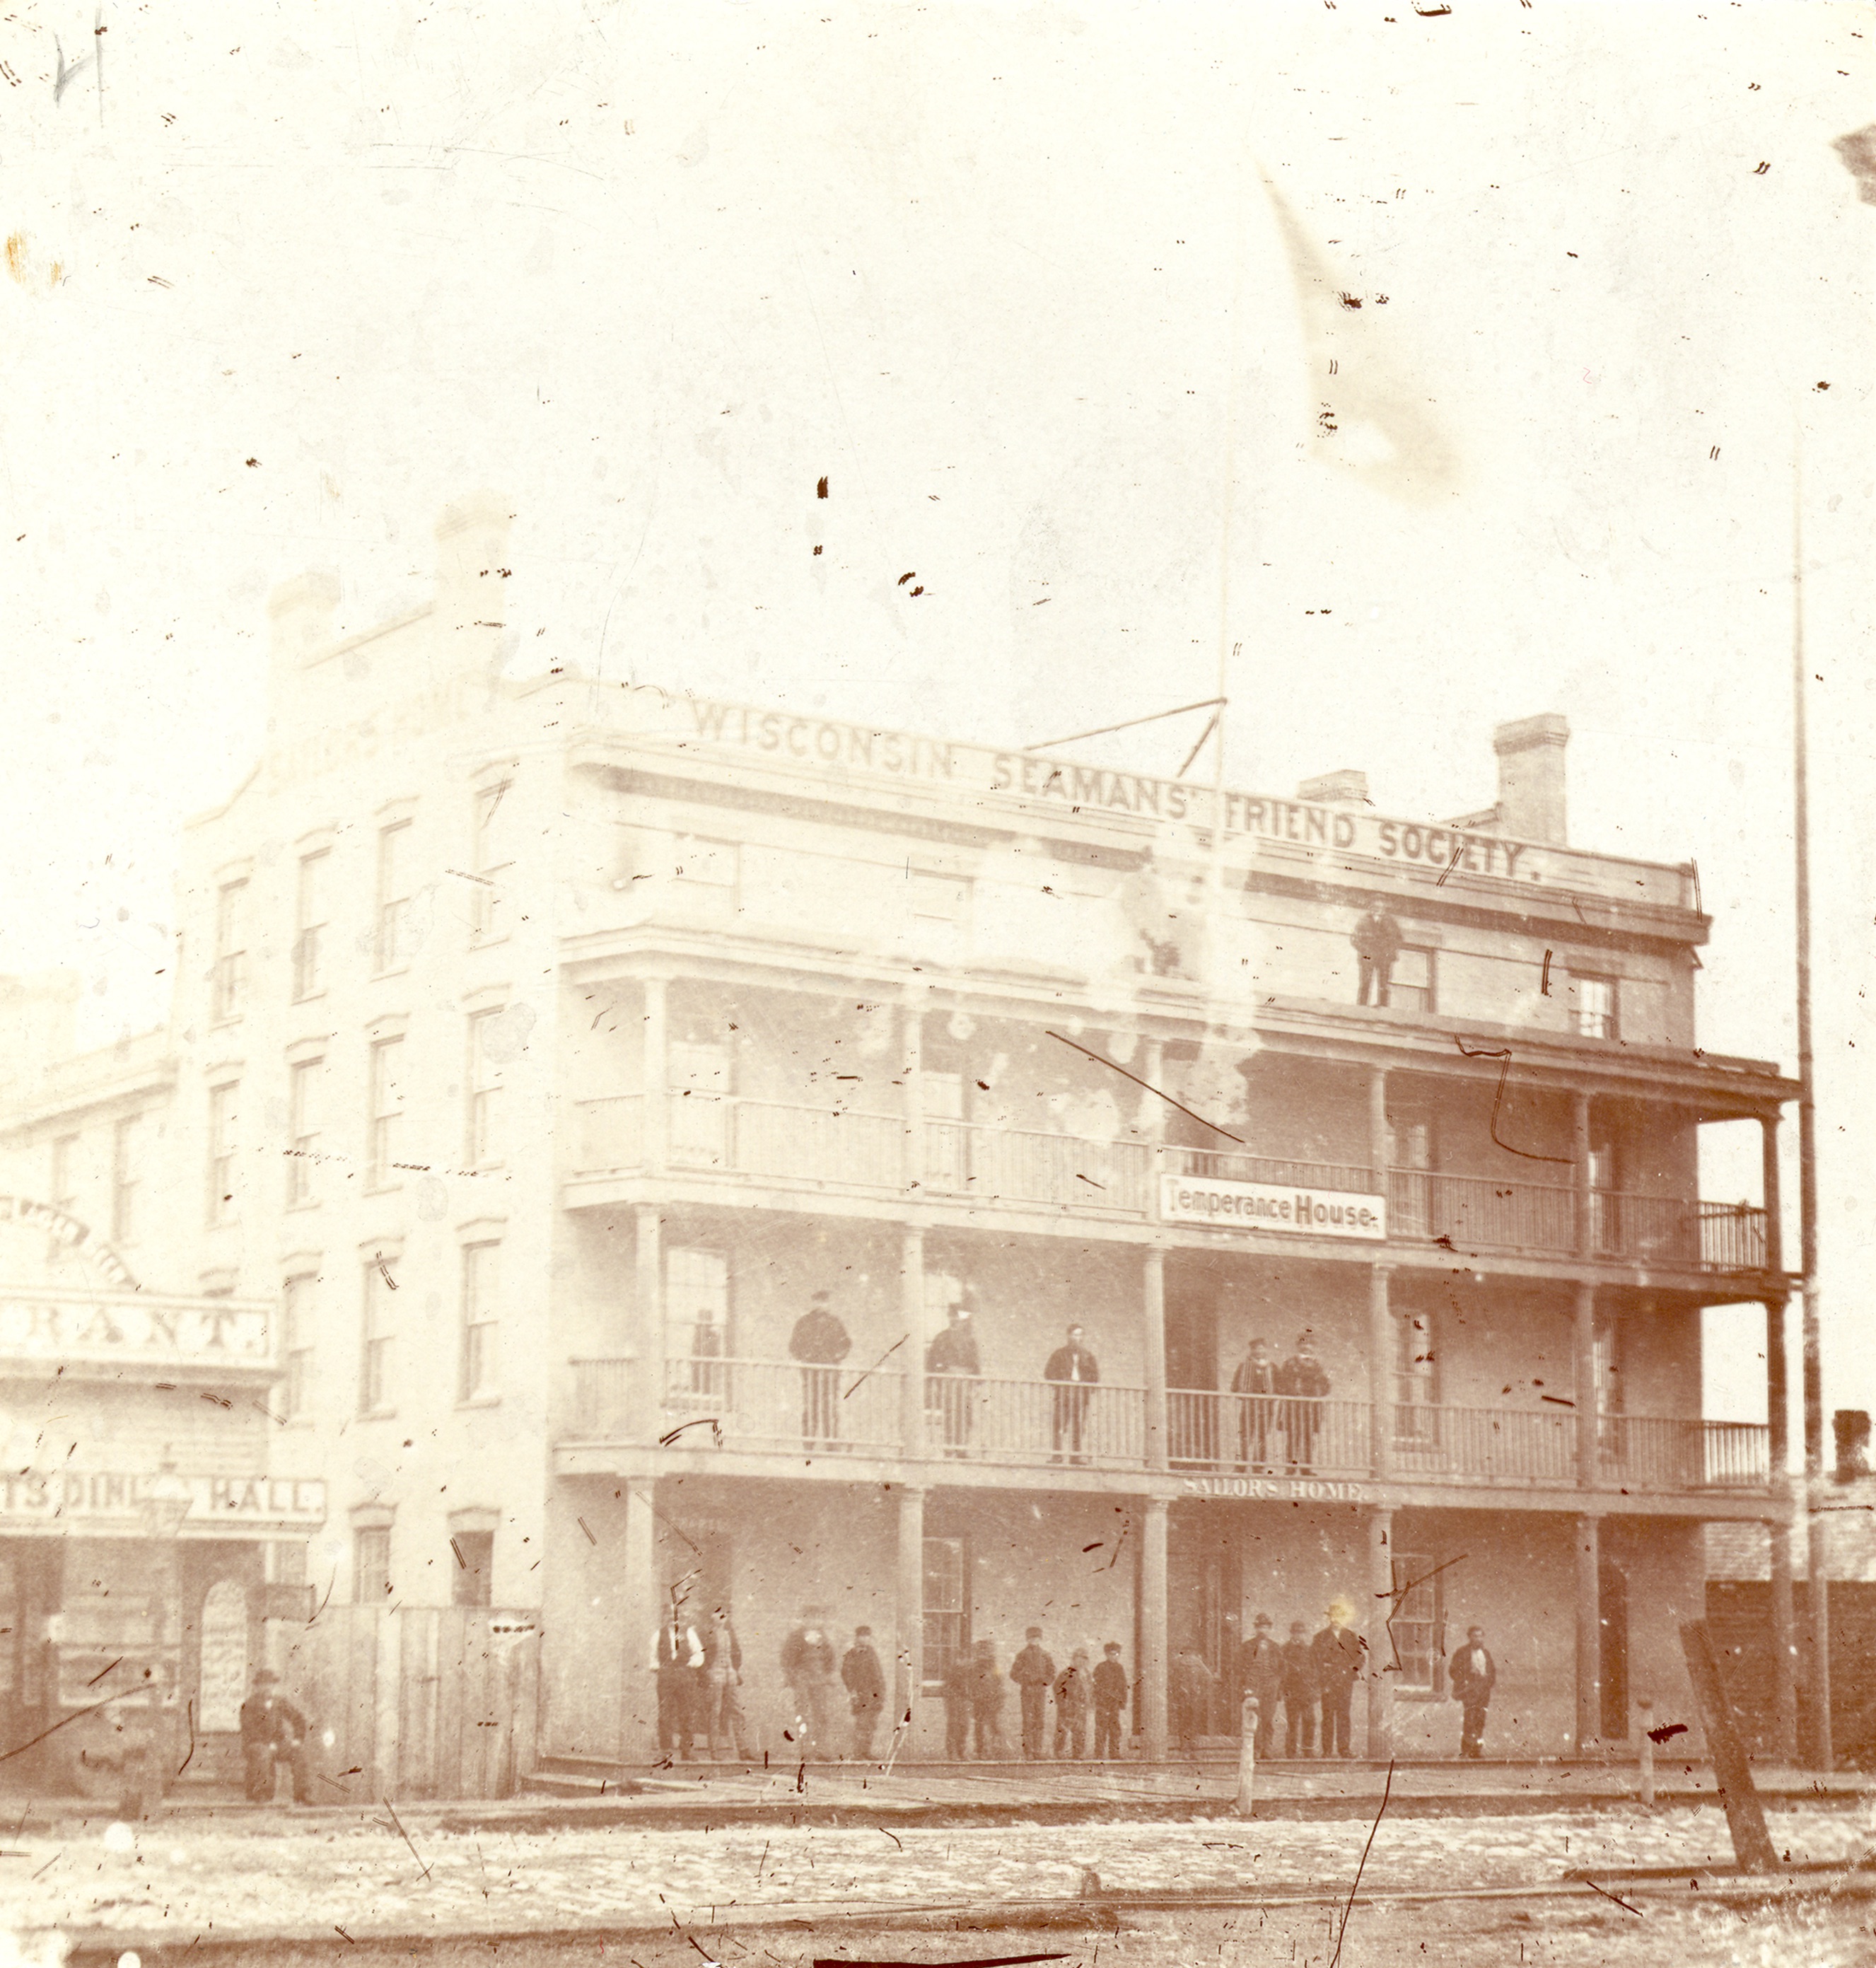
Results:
<point x="360" y="1876"/>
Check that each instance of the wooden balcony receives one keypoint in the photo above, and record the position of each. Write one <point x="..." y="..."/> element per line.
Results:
<point x="848" y="1151"/>
<point x="784" y="1408"/>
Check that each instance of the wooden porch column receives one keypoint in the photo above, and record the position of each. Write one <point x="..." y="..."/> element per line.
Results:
<point x="909" y="1609"/>
<point x="656" y="1076"/>
<point x="912" y="1352"/>
<point x="645" y="1606"/>
<point x="1587" y="1420"/>
<point x="912" y="1165"/>
<point x="1784" y="1653"/>
<point x="1579" y="1158"/>
<point x="1380" y="1669"/>
<point x="1377" y="1126"/>
<point x="1153" y="1656"/>
<point x="1589" y="1636"/>
<point x="1153" y="1341"/>
<point x="1775" y="1214"/>
<point x="649" y="1320"/>
<point x="1381" y="1350"/>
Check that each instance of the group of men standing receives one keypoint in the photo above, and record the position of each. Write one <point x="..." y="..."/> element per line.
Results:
<point x="1301" y="1382"/>
<point x="974" y="1689"/>
<point x="1309" y="1678"/>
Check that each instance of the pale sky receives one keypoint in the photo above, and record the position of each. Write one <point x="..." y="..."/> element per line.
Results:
<point x="650" y="272"/>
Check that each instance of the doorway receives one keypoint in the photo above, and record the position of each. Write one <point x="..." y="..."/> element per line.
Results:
<point x="1191" y="1377"/>
<point x="1612" y="1588"/>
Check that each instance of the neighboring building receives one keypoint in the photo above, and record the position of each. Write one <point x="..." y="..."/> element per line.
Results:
<point x="146" y="1528"/>
<point x="544" y="1047"/>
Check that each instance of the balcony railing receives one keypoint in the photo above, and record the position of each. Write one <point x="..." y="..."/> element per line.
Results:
<point x="844" y="1149"/>
<point x="1277" y="1435"/>
<point x="783" y="1406"/>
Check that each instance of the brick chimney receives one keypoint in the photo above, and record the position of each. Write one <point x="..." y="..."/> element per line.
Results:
<point x="1530" y="777"/>
<point x="1346" y="787"/>
<point x="1852" y="1430"/>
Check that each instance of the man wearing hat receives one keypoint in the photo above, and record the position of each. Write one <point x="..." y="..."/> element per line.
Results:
<point x="865" y="1684"/>
<point x="273" y="1731"/>
<point x="1300" y="1693"/>
<point x="677" y="1661"/>
<point x="1472" y="1674"/>
<point x="1074" y="1700"/>
<point x="1034" y="1673"/>
<point x="807" y="1670"/>
<point x="1261" y="1672"/>
<point x="821" y="1342"/>
<point x="1338" y="1649"/>
<point x="951" y="1362"/>
<point x="1302" y="1377"/>
<point x="1377" y="940"/>
<point x="1111" y="1694"/>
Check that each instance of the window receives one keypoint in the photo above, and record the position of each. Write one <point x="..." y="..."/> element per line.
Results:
<point x="1596" y="1006"/>
<point x="298" y="1302"/>
<point x="712" y="863"/>
<point x="481" y="1316"/>
<point x="490" y="863"/>
<point x="387" y="1110"/>
<point x="1415" y="1624"/>
<point x="309" y="920"/>
<point x="696" y="1310"/>
<point x="945" y="1629"/>
<point x="371" y="1565"/>
<point x="472" y="1555"/>
<point x="224" y="1103"/>
<point x="1410" y="1180"/>
<point x="374" y="1373"/>
<point x="700" y="1087"/>
<point x="63" y="1192"/>
<point x="231" y="950"/>
<point x="1411" y="987"/>
<point x="127" y="1146"/>
<point x="485" y="1087"/>
<point x="1416" y="1377"/>
<point x="394" y="885"/>
<point x="1605" y="1204"/>
<point x="303" y="1119"/>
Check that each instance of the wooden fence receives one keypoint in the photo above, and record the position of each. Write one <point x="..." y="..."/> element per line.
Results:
<point x="420" y="1701"/>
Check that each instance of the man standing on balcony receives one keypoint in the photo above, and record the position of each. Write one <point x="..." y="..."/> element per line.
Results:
<point x="866" y="1691"/>
<point x="1074" y="1369"/>
<point x="1261" y="1671"/>
<point x="951" y="1360"/>
<point x="1377" y="941"/>
<point x="1034" y="1673"/>
<point x="1337" y="1650"/>
<point x="1302" y="1376"/>
<point x="1472" y="1674"/>
<point x="821" y="1341"/>
<point x="1255" y="1381"/>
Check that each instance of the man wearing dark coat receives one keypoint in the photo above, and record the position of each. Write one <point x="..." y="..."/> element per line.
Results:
<point x="1075" y="1371"/>
<point x="1377" y="940"/>
<point x="273" y="1731"/>
<point x="1261" y="1672"/>
<point x="1034" y="1673"/>
<point x="957" y="1698"/>
<point x="677" y="1658"/>
<point x="808" y="1668"/>
<point x="1301" y="1693"/>
<point x="1111" y="1696"/>
<point x="986" y="1703"/>
<point x="951" y="1360"/>
<point x="1338" y="1650"/>
<point x="1255" y="1381"/>
<point x="1472" y="1674"/>
<point x="1074" y="1698"/>
<point x="821" y="1342"/>
<point x="718" y="1678"/>
<point x="866" y="1691"/>
<point x="1302" y="1376"/>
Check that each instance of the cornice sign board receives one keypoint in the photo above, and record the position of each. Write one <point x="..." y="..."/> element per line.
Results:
<point x="71" y="1495"/>
<point x="103" y="1329"/>
<point x="1218" y="1205"/>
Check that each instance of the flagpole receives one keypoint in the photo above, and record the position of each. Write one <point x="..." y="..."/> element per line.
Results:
<point x="1818" y="1605"/>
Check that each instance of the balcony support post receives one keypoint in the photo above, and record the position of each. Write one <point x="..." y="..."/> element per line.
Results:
<point x="1152" y="1342"/>
<point x="644" y="1610"/>
<point x="1589" y="1635"/>
<point x="656" y="1074"/>
<point x="913" y="1047"/>
<point x="1381" y="1346"/>
<point x="1377" y="1126"/>
<point x="1587" y="1418"/>
<point x="1775" y="1212"/>
<point x="1381" y="1676"/>
<point x="1778" y="1458"/>
<point x="1585" y="1173"/>
<point x="648" y="1317"/>
<point x="1153" y="1656"/>
<point x="909" y="1610"/>
<point x="912" y="1313"/>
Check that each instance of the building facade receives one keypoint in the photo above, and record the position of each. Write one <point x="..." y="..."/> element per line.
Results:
<point x="546" y="1046"/>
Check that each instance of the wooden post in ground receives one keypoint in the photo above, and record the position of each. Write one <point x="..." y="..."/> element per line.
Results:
<point x="1646" y="1742"/>
<point x="1745" y="1816"/>
<point x="1246" y="1757"/>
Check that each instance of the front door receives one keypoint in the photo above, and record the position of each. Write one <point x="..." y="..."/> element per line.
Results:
<point x="1191" y="1377"/>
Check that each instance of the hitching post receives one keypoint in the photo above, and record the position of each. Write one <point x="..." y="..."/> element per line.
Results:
<point x="1247" y="1756"/>
<point x="1646" y="1743"/>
